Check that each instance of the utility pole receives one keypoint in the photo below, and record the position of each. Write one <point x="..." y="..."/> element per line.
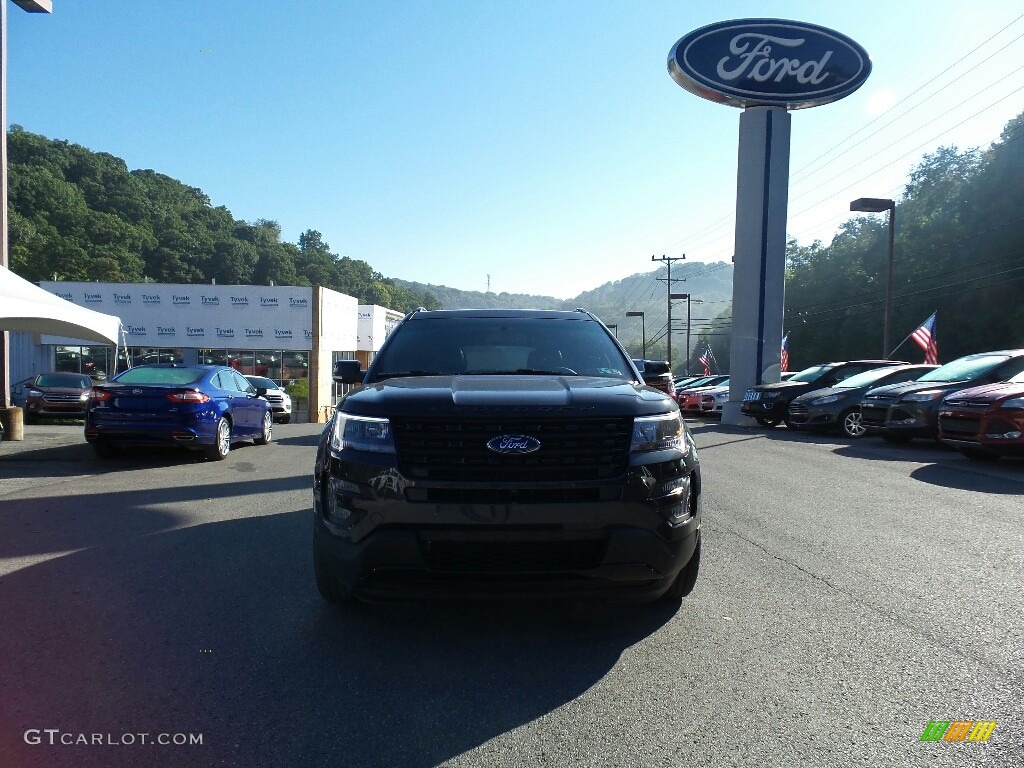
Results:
<point x="668" y="285"/>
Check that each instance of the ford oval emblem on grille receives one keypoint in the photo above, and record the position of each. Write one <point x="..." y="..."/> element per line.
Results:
<point x="513" y="444"/>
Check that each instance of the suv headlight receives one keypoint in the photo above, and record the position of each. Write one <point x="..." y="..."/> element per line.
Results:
<point x="362" y="433"/>
<point x="657" y="433"/>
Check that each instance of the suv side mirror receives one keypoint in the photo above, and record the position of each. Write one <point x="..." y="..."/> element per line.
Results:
<point x="348" y="372"/>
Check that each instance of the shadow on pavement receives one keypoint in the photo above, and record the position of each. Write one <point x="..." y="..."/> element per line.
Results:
<point x="971" y="477"/>
<point x="217" y="629"/>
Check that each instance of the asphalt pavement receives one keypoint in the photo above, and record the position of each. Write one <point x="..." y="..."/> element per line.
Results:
<point x="850" y="593"/>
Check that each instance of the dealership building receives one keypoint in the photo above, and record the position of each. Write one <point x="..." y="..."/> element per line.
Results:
<point x="286" y="333"/>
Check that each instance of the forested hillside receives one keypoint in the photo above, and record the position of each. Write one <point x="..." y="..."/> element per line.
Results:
<point x="959" y="250"/>
<point x="82" y="215"/>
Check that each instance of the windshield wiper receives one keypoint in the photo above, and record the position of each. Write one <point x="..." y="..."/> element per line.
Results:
<point x="414" y="372"/>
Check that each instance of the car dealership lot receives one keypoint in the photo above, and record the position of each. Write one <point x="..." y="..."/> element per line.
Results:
<point x="850" y="593"/>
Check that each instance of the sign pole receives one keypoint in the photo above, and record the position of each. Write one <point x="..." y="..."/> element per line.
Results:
<point x="759" y="271"/>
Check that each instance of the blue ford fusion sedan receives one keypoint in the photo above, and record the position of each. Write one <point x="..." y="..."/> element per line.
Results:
<point x="201" y="407"/>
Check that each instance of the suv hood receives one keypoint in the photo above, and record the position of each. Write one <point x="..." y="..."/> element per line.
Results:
<point x="991" y="392"/>
<point x="898" y="390"/>
<point x="483" y="395"/>
<point x="783" y="386"/>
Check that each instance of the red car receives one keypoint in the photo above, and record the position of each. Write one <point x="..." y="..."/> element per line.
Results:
<point x="985" y="422"/>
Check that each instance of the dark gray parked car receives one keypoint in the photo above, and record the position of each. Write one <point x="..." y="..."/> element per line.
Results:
<point x="838" y="407"/>
<point x="901" y="412"/>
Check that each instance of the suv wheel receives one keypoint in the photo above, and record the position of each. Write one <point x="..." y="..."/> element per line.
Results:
<point x="687" y="578"/>
<point x="329" y="586"/>
<point x="850" y="423"/>
<point x="764" y="421"/>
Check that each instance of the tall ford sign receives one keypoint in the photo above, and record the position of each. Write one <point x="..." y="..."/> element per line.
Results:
<point x="768" y="63"/>
<point x="769" y="67"/>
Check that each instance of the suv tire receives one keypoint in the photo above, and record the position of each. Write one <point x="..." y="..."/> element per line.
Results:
<point x="330" y="588"/>
<point x="687" y="578"/>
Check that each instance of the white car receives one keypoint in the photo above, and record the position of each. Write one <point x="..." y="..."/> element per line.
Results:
<point x="280" y="401"/>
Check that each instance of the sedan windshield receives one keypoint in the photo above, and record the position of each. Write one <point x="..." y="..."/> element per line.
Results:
<point x="172" y="377"/>
<point x="965" y="369"/>
<point x="864" y="379"/>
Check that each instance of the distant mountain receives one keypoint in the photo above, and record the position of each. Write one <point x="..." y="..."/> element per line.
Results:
<point x="709" y="285"/>
<point x="453" y="298"/>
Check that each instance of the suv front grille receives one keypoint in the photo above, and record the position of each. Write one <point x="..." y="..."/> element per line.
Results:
<point x="954" y="425"/>
<point x="63" y="397"/>
<point x="513" y="556"/>
<point x="581" y="449"/>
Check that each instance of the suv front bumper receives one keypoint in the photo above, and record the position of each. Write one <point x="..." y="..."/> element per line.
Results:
<point x="630" y="542"/>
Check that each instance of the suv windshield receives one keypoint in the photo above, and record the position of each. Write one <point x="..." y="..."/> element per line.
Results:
<point x="261" y="381"/>
<point x="69" y="380"/>
<point x="810" y="374"/>
<point x="965" y="369"/>
<point x="517" y="345"/>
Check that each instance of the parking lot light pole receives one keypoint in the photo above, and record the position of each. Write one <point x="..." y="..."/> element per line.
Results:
<point x="643" y="331"/>
<point x="877" y="205"/>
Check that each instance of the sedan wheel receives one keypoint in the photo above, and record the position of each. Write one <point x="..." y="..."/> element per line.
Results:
<point x="851" y="423"/>
<point x="265" y="435"/>
<point x="222" y="445"/>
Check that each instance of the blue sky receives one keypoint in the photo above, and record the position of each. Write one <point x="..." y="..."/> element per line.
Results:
<point x="541" y="144"/>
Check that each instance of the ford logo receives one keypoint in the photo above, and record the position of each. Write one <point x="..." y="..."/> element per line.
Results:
<point x="513" y="444"/>
<point x="769" y="63"/>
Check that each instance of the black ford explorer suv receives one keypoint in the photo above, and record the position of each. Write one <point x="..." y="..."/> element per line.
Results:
<point x="769" y="403"/>
<point x="506" y="453"/>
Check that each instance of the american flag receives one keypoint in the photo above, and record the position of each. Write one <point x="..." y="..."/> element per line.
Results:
<point x="784" y="359"/>
<point x="926" y="339"/>
<point x="705" y="359"/>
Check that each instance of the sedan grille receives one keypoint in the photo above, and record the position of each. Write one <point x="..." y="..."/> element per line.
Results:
<point x="570" y="449"/>
<point x="797" y="409"/>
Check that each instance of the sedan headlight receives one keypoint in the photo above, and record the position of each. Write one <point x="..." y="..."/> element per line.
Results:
<point x="33" y="393"/>
<point x="1015" y="404"/>
<point x="926" y="395"/>
<point x="826" y="399"/>
<point x="362" y="433"/>
<point x="657" y="433"/>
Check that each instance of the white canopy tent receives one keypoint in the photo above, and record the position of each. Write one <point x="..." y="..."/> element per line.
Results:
<point x="25" y="306"/>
